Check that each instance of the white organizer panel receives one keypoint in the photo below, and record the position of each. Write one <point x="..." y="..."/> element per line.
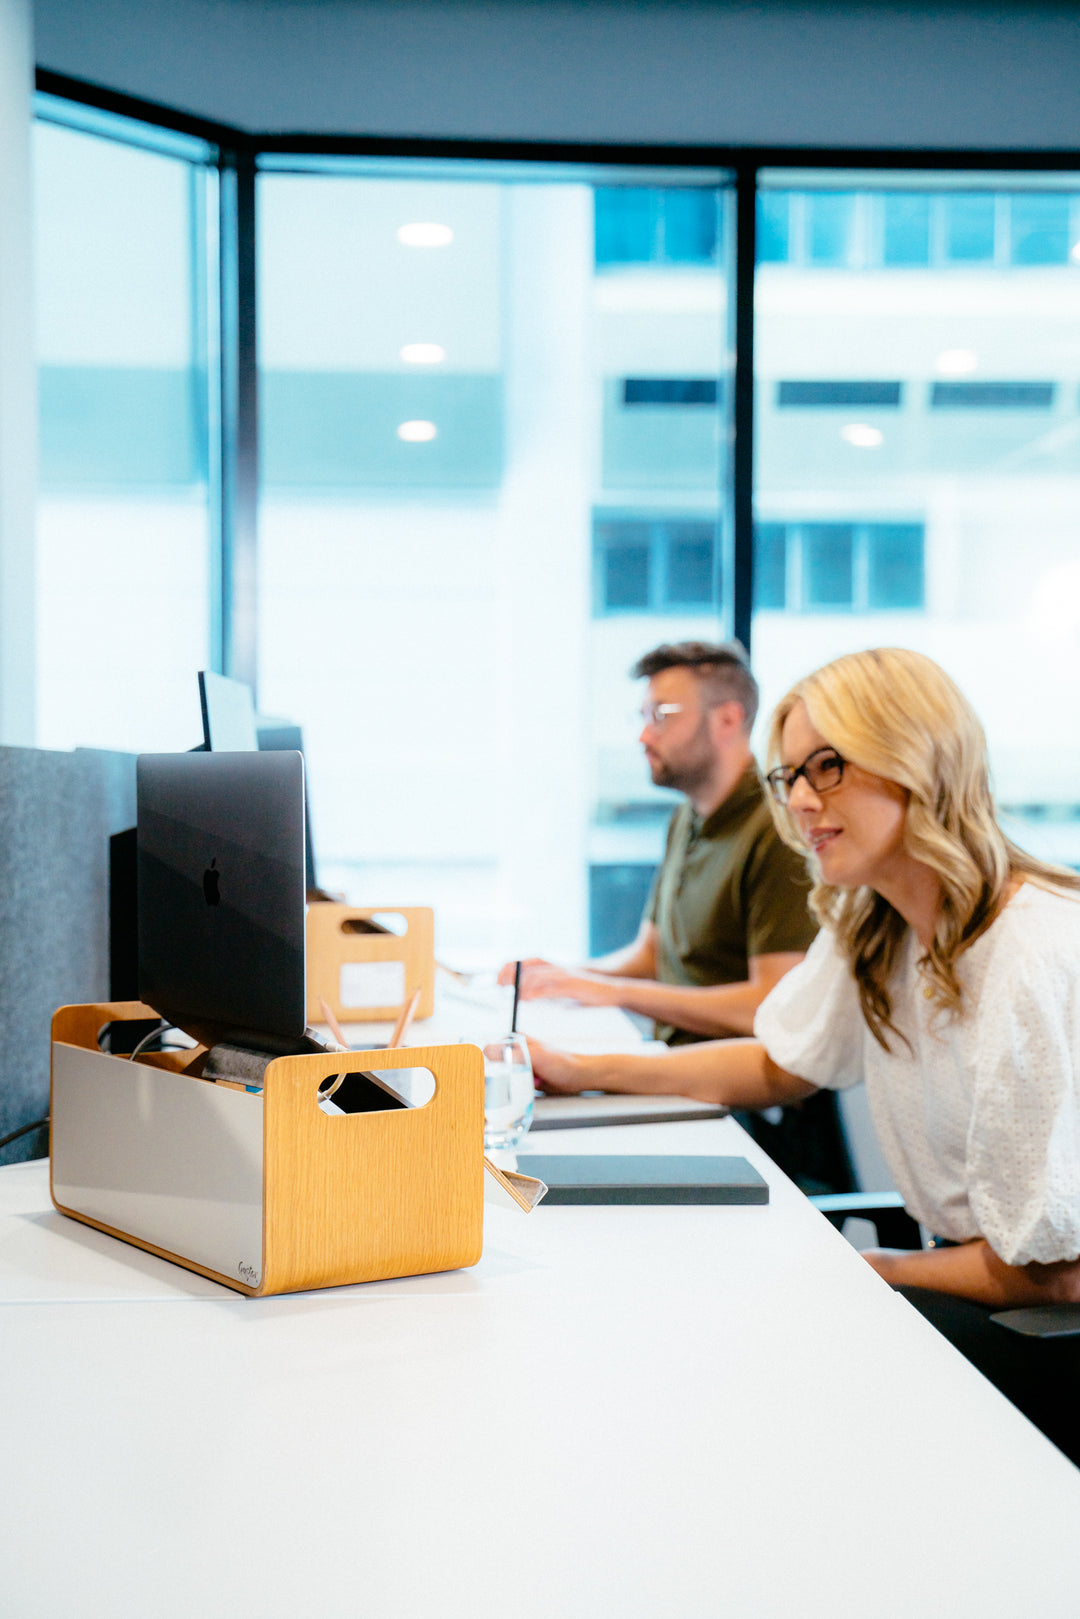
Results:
<point x="175" y="1161"/>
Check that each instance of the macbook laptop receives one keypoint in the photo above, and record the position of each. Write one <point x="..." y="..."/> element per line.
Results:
<point x="221" y="894"/>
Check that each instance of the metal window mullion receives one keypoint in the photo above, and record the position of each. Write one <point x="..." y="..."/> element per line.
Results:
<point x="860" y="246"/>
<point x="1002" y="231"/>
<point x="873" y="230"/>
<point x="741" y="572"/>
<point x="860" y="568"/>
<point x="793" y="558"/>
<point x="658" y="567"/>
<point x="719" y="545"/>
<point x="938" y="232"/>
<point x="239" y="419"/>
<point x="206" y="273"/>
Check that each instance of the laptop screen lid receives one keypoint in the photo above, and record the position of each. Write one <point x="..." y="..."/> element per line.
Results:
<point x="221" y="894"/>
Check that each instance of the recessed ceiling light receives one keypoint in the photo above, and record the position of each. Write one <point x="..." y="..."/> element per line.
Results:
<point x="417" y="432"/>
<point x="423" y="353"/>
<point x="425" y="235"/>
<point x="956" y="363"/>
<point x="862" y="435"/>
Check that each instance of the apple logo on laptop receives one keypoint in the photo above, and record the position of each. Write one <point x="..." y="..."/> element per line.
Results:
<point x="210" y="884"/>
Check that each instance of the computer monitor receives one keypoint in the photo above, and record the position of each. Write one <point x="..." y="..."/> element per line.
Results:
<point x="230" y="726"/>
<point x="228" y="714"/>
<point x="274" y="735"/>
<point x="221" y="902"/>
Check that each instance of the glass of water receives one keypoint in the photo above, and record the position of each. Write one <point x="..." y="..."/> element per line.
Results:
<point x="508" y="1091"/>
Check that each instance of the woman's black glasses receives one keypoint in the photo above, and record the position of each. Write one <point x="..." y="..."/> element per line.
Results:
<point x="823" y="769"/>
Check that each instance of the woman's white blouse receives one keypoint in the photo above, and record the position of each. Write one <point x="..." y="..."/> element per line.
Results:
<point x="979" y="1120"/>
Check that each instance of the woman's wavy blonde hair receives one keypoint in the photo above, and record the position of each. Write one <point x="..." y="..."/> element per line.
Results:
<point x="897" y="714"/>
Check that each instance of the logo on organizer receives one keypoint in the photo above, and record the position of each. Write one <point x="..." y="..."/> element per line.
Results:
<point x="211" y="880"/>
<point x="247" y="1273"/>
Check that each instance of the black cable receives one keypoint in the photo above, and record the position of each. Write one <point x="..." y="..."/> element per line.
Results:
<point x="24" y="1130"/>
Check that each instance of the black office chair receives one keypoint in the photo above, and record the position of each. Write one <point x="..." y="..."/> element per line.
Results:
<point x="885" y="1210"/>
<point x="807" y="1143"/>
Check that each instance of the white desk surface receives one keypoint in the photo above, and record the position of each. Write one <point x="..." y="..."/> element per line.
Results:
<point x="482" y="1010"/>
<point x="624" y="1411"/>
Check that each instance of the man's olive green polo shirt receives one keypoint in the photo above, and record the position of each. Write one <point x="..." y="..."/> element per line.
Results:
<point x="727" y="889"/>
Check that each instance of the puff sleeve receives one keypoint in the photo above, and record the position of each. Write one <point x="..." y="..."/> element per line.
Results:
<point x="1023" y="1150"/>
<point x="811" y="1023"/>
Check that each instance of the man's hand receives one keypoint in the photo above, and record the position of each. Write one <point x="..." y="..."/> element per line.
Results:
<point x="543" y="980"/>
<point x="559" y="1072"/>
<point x="506" y="972"/>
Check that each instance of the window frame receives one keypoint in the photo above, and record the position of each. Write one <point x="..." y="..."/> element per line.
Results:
<point x="235" y="611"/>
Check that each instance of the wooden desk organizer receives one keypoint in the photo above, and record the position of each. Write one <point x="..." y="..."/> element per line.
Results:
<point x="263" y="1191"/>
<point x="333" y="945"/>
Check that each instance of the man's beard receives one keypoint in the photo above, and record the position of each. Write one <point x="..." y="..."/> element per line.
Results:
<point x="686" y="778"/>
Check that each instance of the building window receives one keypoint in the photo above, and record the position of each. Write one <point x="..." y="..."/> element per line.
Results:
<point x="1040" y="229"/>
<point x="992" y="395"/>
<point x="838" y="392"/>
<point x="839" y="567"/>
<point x="970" y="229"/>
<point x="857" y="230"/>
<point x="905" y="230"/>
<point x="636" y="225"/>
<point x="829" y="227"/>
<point x="670" y="391"/>
<point x="617" y="895"/>
<point x="655" y="565"/>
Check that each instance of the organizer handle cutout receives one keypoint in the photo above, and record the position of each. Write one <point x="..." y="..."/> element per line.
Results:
<point x="375" y="1091"/>
<point x="378" y="922"/>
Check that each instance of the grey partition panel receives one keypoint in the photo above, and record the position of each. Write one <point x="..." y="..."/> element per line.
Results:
<point x="57" y="813"/>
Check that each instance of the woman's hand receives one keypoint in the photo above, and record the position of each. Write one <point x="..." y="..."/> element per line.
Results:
<point x="972" y="1270"/>
<point x="559" y="1072"/>
<point x="885" y="1262"/>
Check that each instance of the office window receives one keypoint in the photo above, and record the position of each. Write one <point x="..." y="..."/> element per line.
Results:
<point x="871" y="229"/>
<point x="128" y="373"/>
<point x="655" y="565"/>
<point x="838" y="567"/>
<point x="449" y="364"/>
<point x="947" y="522"/>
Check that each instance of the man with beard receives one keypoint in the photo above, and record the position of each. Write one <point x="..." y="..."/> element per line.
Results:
<point x="727" y="915"/>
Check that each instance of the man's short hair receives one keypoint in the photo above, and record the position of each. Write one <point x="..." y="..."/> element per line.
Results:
<point x="722" y="669"/>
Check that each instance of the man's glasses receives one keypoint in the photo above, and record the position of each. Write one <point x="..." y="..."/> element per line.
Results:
<point x="823" y="769"/>
<point x="657" y="715"/>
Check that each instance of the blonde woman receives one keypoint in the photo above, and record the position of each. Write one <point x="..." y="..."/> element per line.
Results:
<point x="947" y="975"/>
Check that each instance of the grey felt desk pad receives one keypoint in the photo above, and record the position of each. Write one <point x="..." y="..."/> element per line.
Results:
<point x="626" y="1178"/>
